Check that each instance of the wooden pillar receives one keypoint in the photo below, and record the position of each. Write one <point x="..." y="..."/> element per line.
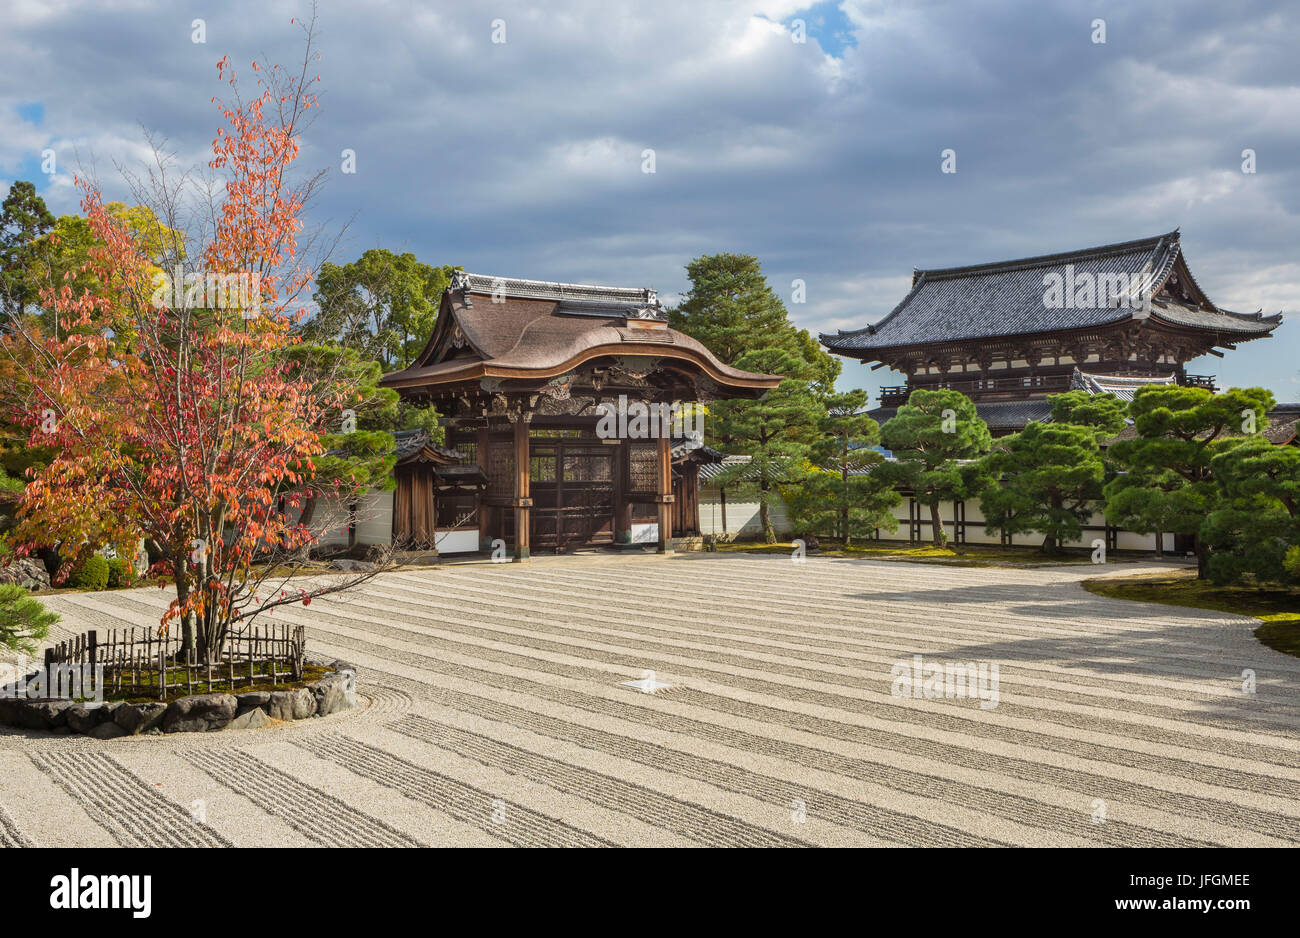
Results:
<point x="484" y="510"/>
<point x="664" y="492"/>
<point x="523" y="503"/>
<point x="622" y="507"/>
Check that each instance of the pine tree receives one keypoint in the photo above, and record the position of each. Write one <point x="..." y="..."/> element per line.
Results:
<point x="841" y="493"/>
<point x="930" y="436"/>
<point x="1168" y="480"/>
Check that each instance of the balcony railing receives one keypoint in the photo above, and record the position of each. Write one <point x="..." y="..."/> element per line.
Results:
<point x="896" y="395"/>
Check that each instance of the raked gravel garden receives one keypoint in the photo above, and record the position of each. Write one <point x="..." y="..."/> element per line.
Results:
<point x="494" y="708"/>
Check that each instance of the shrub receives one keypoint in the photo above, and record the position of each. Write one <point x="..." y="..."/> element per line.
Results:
<point x="121" y="572"/>
<point x="91" y="575"/>
<point x="24" y="622"/>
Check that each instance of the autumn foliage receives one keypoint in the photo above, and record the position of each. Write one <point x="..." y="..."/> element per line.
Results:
<point x="187" y="423"/>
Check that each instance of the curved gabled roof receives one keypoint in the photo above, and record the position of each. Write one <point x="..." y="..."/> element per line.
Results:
<point x="1007" y="298"/>
<point x="494" y="327"/>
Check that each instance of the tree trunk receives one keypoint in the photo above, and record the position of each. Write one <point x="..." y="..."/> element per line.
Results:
<point x="844" y="509"/>
<point x="936" y="525"/>
<point x="1050" y="547"/>
<point x="1202" y="559"/>
<point x="183" y="594"/>
<point x="1160" y="544"/>
<point x="765" y="517"/>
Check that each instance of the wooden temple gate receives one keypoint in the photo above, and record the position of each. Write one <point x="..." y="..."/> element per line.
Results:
<point x="526" y="375"/>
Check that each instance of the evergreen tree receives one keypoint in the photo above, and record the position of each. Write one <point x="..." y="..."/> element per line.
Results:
<point x="840" y="494"/>
<point x="931" y="435"/>
<point x="1256" y="522"/>
<point x="731" y="310"/>
<point x="24" y="219"/>
<point x="1168" y="480"/>
<point x="1047" y="478"/>
<point x="776" y="431"/>
<point x="382" y="304"/>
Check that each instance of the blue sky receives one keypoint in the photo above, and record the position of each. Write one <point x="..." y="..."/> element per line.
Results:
<point x="524" y="158"/>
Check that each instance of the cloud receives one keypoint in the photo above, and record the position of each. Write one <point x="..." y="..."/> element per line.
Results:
<point x="525" y="157"/>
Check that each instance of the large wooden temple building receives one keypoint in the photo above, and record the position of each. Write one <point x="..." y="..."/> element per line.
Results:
<point x="522" y="373"/>
<point x="1011" y="333"/>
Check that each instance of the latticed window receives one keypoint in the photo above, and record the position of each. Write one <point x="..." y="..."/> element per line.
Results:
<point x="500" y="468"/>
<point x="541" y="468"/>
<point x="584" y="467"/>
<point x="643" y="468"/>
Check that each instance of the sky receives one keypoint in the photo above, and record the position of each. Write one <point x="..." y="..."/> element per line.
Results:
<point x="511" y="138"/>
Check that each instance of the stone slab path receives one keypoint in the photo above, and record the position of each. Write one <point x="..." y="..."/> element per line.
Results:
<point x="495" y="714"/>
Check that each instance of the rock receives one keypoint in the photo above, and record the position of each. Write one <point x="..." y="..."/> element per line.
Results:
<point x="258" y="698"/>
<point x="108" y="730"/>
<point x="84" y="719"/>
<point x="342" y="665"/>
<point x="10" y="708"/>
<point x="335" y="692"/>
<point x="201" y="713"/>
<point x="139" y="718"/>
<point x="45" y="714"/>
<point x="27" y="572"/>
<point x="352" y="566"/>
<point x="252" y="719"/>
<point x="292" y="704"/>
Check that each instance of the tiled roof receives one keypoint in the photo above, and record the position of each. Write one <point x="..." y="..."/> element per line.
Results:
<point x="1007" y="299"/>
<point x="411" y="442"/>
<point x="578" y="298"/>
<point x="504" y="327"/>
<point x="1122" y="386"/>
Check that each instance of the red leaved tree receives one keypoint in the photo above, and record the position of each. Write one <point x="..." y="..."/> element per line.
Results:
<point x="171" y="400"/>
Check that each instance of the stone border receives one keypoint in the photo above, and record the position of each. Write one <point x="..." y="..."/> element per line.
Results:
<point x="201" y="713"/>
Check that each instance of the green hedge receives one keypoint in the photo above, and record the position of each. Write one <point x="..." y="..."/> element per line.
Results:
<point x="120" y="573"/>
<point x="91" y="575"/>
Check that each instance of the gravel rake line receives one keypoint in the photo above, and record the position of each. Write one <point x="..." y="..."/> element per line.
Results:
<point x="888" y="825"/>
<point x="879" y="709"/>
<point x="523" y="827"/>
<point x="135" y="814"/>
<point x="1013" y="807"/>
<point x="1087" y="783"/>
<point x="806" y="637"/>
<point x="647" y="805"/>
<point x="1256" y="719"/>
<point x="1008" y="765"/>
<point x="1178" y="665"/>
<point x="722" y="597"/>
<point x="318" y="816"/>
<point x="10" y="833"/>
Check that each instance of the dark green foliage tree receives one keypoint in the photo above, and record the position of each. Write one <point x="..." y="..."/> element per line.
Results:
<point x="731" y="310"/>
<point x="930" y="436"/>
<point x="24" y="219"/>
<point x="1047" y="478"/>
<point x="1167" y="483"/>
<point x="382" y="304"/>
<point x="776" y="431"/>
<point x="1256" y="522"/>
<point x="24" y="622"/>
<point x="841" y="495"/>
<point x="362" y="448"/>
